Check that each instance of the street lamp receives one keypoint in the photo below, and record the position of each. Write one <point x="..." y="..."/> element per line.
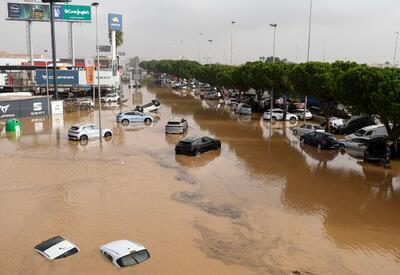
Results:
<point x="47" y="83"/>
<point x="95" y="4"/>
<point x="273" y="61"/>
<point x="210" y="41"/>
<point x="395" y="48"/>
<point x="232" y="23"/>
<point x="323" y="50"/>
<point x="53" y="41"/>
<point x="309" y="32"/>
<point x="200" y="34"/>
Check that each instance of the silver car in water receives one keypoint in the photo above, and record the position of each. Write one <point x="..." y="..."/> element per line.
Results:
<point x="176" y="126"/>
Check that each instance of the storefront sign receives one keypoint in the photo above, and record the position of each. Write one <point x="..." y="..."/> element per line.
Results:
<point x="70" y="78"/>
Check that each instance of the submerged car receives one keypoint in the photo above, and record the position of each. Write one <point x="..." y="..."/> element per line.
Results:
<point x="125" y="253"/>
<point x="193" y="146"/>
<point x="83" y="132"/>
<point x="307" y="128"/>
<point x="85" y="103"/>
<point x="378" y="150"/>
<point x="56" y="248"/>
<point x="153" y="106"/>
<point x="320" y="140"/>
<point x="369" y="132"/>
<point x="278" y="114"/>
<point x="110" y="98"/>
<point x="176" y="126"/>
<point x="354" y="124"/>
<point x="133" y="116"/>
<point x="243" y="109"/>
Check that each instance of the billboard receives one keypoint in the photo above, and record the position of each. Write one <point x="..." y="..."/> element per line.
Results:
<point x="70" y="78"/>
<point x="41" y="12"/>
<point x="28" y="12"/>
<point x="35" y="106"/>
<point x="114" y="22"/>
<point x="105" y="48"/>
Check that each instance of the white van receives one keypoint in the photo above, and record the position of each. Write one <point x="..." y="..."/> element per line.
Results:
<point x="369" y="132"/>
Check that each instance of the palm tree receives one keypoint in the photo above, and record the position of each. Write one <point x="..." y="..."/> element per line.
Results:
<point x="119" y="38"/>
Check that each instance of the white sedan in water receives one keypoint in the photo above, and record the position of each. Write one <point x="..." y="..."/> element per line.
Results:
<point x="277" y="114"/>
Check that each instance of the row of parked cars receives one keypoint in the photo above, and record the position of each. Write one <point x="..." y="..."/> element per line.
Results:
<point x="369" y="143"/>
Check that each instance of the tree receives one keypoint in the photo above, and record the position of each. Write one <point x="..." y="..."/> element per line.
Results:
<point x="119" y="38"/>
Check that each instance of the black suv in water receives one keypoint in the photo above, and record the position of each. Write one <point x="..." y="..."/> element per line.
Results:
<point x="193" y="146"/>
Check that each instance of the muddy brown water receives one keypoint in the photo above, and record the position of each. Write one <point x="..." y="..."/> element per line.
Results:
<point x="265" y="204"/>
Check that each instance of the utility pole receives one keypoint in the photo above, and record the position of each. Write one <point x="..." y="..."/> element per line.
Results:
<point x="323" y="50"/>
<point x="308" y="54"/>
<point x="95" y="4"/>
<point x="273" y="61"/>
<point x="200" y="34"/>
<point x="232" y="23"/>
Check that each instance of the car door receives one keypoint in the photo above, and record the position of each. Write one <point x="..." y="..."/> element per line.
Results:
<point x="206" y="144"/>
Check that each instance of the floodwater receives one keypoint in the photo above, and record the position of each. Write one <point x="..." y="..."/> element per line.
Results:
<point x="265" y="204"/>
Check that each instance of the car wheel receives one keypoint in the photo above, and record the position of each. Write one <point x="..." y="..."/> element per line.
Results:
<point x="125" y="122"/>
<point x="83" y="138"/>
<point x="147" y="121"/>
<point x="292" y="120"/>
<point x="341" y="146"/>
<point x="109" y="102"/>
<point x="295" y="132"/>
<point x="107" y="134"/>
<point x="273" y="119"/>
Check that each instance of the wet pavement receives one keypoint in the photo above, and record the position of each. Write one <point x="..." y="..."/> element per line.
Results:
<point x="265" y="204"/>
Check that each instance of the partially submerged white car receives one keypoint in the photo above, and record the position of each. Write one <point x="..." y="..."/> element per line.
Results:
<point x="153" y="106"/>
<point x="83" y="132"/>
<point x="56" y="248"/>
<point x="125" y="253"/>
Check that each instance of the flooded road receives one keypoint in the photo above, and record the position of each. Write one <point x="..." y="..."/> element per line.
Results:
<point x="265" y="204"/>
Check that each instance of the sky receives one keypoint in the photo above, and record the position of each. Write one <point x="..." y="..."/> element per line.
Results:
<point x="355" y="30"/>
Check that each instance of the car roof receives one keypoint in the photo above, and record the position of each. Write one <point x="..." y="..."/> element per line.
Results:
<point x="54" y="247"/>
<point x="190" y="139"/>
<point x="371" y="127"/>
<point x="176" y="119"/>
<point x="122" y="248"/>
<point x="82" y="124"/>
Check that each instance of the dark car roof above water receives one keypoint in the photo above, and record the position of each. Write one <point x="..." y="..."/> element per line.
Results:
<point x="190" y="139"/>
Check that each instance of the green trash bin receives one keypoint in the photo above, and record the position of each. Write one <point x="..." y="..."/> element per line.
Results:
<point x="13" y="126"/>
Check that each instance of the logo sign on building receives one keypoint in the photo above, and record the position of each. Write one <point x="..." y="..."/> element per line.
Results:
<point x="37" y="106"/>
<point x="41" y="12"/>
<point x="114" y="22"/>
<point x="68" y="78"/>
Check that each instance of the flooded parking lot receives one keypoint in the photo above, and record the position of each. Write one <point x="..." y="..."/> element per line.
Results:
<point x="264" y="204"/>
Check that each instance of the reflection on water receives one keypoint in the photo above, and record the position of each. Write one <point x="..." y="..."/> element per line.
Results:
<point x="264" y="204"/>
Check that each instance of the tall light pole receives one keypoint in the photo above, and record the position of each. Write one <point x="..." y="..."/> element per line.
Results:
<point x="323" y="50"/>
<point x="309" y="32"/>
<point x="308" y="53"/>
<point x="297" y="53"/>
<point x="47" y="83"/>
<point x="273" y="61"/>
<point x="232" y="23"/>
<point x="395" y="49"/>
<point x="96" y="5"/>
<point x="200" y="34"/>
<point x="210" y="41"/>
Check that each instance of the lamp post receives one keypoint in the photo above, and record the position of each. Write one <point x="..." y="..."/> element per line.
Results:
<point x="95" y="4"/>
<point x="297" y="53"/>
<point x="47" y="83"/>
<point x="273" y="61"/>
<point x="210" y="41"/>
<point x="323" y="50"/>
<point x="232" y="23"/>
<point x="395" y="49"/>
<point x="308" y="53"/>
<point x="200" y="34"/>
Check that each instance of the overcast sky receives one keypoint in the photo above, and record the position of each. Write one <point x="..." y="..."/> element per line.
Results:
<point x="357" y="30"/>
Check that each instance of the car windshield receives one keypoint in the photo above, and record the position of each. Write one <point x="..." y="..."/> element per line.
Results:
<point x="126" y="261"/>
<point x="141" y="256"/>
<point x="74" y="128"/>
<point x="360" y="133"/>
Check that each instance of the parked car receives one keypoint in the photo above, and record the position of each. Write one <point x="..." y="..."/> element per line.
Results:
<point x="378" y="150"/>
<point x="277" y="114"/>
<point x="124" y="253"/>
<point x="355" y="123"/>
<point x="84" y="132"/>
<point x="193" y="146"/>
<point x="354" y="147"/>
<point x="152" y="106"/>
<point x="369" y="132"/>
<point x="85" y="103"/>
<point x="56" y="248"/>
<point x="307" y="128"/>
<point x="335" y="123"/>
<point x="213" y="95"/>
<point x="300" y="114"/>
<point x="176" y="126"/>
<point x="320" y="140"/>
<point x="133" y="116"/>
<point x="110" y="98"/>
<point x="243" y="109"/>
